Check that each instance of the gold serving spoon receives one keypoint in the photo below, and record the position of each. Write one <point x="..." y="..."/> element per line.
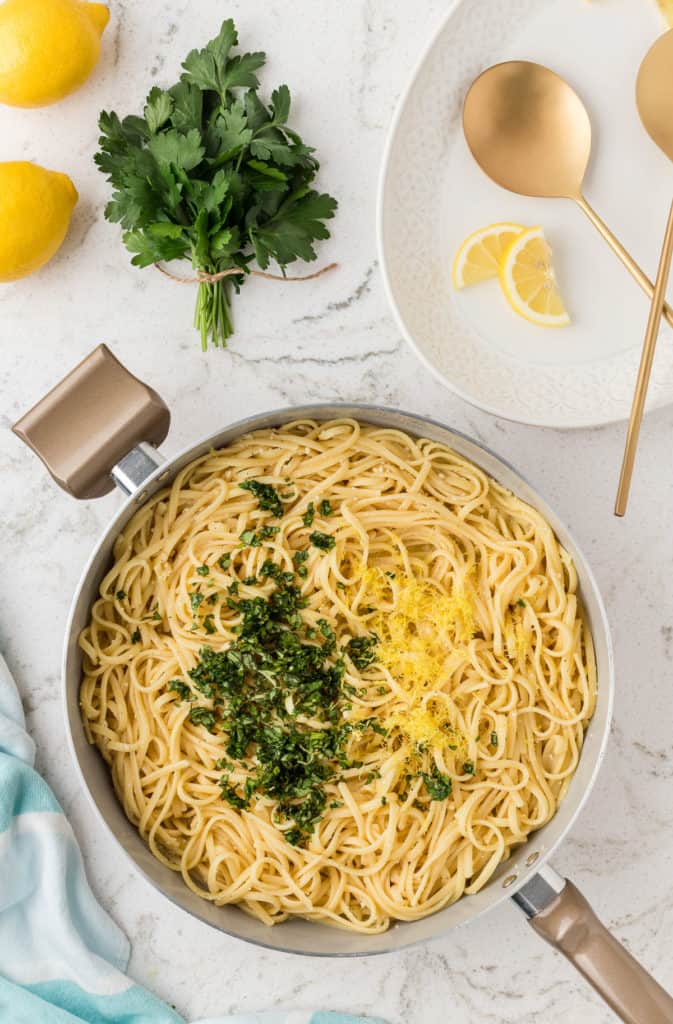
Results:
<point x="654" y="96"/>
<point x="531" y="134"/>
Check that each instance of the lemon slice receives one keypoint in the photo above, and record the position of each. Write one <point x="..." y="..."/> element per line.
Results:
<point x="478" y="258"/>
<point x="529" y="283"/>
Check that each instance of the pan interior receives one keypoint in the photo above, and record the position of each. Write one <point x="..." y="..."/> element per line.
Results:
<point x="296" y="935"/>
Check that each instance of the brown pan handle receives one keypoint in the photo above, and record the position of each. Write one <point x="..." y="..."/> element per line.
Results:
<point x="561" y="915"/>
<point x="97" y="427"/>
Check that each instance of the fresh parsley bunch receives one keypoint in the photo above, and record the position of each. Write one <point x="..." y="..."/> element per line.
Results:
<point x="213" y="174"/>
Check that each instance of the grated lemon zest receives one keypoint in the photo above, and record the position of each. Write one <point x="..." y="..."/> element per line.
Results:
<point x="415" y="639"/>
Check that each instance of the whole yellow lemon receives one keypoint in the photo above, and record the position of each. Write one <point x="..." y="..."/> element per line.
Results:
<point x="48" y="48"/>
<point x="35" y="209"/>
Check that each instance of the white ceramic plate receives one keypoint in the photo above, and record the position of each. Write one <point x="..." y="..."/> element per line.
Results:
<point x="432" y="194"/>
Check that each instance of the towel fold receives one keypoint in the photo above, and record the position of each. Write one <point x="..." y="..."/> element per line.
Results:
<point x="62" y="958"/>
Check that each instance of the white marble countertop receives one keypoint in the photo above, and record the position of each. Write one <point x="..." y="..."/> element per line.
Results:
<point x="332" y="339"/>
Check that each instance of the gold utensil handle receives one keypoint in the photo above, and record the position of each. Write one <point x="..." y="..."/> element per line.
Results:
<point x="644" y="370"/>
<point x="637" y="272"/>
<point x="570" y="925"/>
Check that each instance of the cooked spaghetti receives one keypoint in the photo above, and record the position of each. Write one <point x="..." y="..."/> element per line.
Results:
<point x="337" y="672"/>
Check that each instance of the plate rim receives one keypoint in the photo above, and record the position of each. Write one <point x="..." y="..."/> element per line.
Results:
<point x="579" y="422"/>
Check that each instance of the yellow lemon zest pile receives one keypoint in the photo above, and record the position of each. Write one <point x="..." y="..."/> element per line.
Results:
<point x="415" y="638"/>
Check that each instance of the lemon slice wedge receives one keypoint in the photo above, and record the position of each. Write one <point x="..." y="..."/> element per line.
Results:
<point x="479" y="256"/>
<point x="528" y="280"/>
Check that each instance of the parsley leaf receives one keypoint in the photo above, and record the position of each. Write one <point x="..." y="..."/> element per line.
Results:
<point x="360" y="649"/>
<point x="202" y="716"/>
<point x="267" y="496"/>
<point x="324" y="541"/>
<point x="182" y="690"/>
<point x="437" y="784"/>
<point x="214" y="174"/>
<point x="289" y="235"/>
<point x="309" y="514"/>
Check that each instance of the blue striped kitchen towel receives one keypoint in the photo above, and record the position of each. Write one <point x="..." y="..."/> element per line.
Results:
<point x="62" y="959"/>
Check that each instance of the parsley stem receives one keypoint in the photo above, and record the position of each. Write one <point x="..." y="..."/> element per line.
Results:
<point x="212" y="316"/>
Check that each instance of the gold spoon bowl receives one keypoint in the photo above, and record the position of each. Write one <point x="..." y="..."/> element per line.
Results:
<point x="530" y="133"/>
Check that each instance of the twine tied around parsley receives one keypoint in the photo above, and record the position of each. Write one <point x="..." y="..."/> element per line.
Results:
<point x="201" y="275"/>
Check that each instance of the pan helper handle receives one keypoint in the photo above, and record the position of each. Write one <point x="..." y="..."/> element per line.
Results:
<point x="98" y="427"/>
<point x="561" y="915"/>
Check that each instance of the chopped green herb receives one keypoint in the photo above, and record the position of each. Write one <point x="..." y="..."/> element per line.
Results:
<point x="325" y="508"/>
<point x="521" y="603"/>
<point x="309" y="514"/>
<point x="340" y="585"/>
<point x="390" y="575"/>
<point x="384" y="801"/>
<point x="209" y="624"/>
<point x="135" y="636"/>
<point x="360" y="649"/>
<point x="324" y="541"/>
<point x="267" y="532"/>
<point x="224" y="561"/>
<point x="231" y="796"/>
<point x="266" y="681"/>
<point x="299" y="558"/>
<point x="203" y="570"/>
<point x="182" y="690"/>
<point x="202" y="716"/>
<point x="437" y="784"/>
<point x="196" y="600"/>
<point x="267" y="497"/>
<point x="120" y="595"/>
<point x="270" y="570"/>
<point x="494" y="739"/>
<point x="250" y="581"/>
<point x="254" y="540"/>
<point x="468" y="768"/>
<point x="233" y="588"/>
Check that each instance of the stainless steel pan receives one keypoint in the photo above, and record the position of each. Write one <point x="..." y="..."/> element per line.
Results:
<point x="99" y="427"/>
